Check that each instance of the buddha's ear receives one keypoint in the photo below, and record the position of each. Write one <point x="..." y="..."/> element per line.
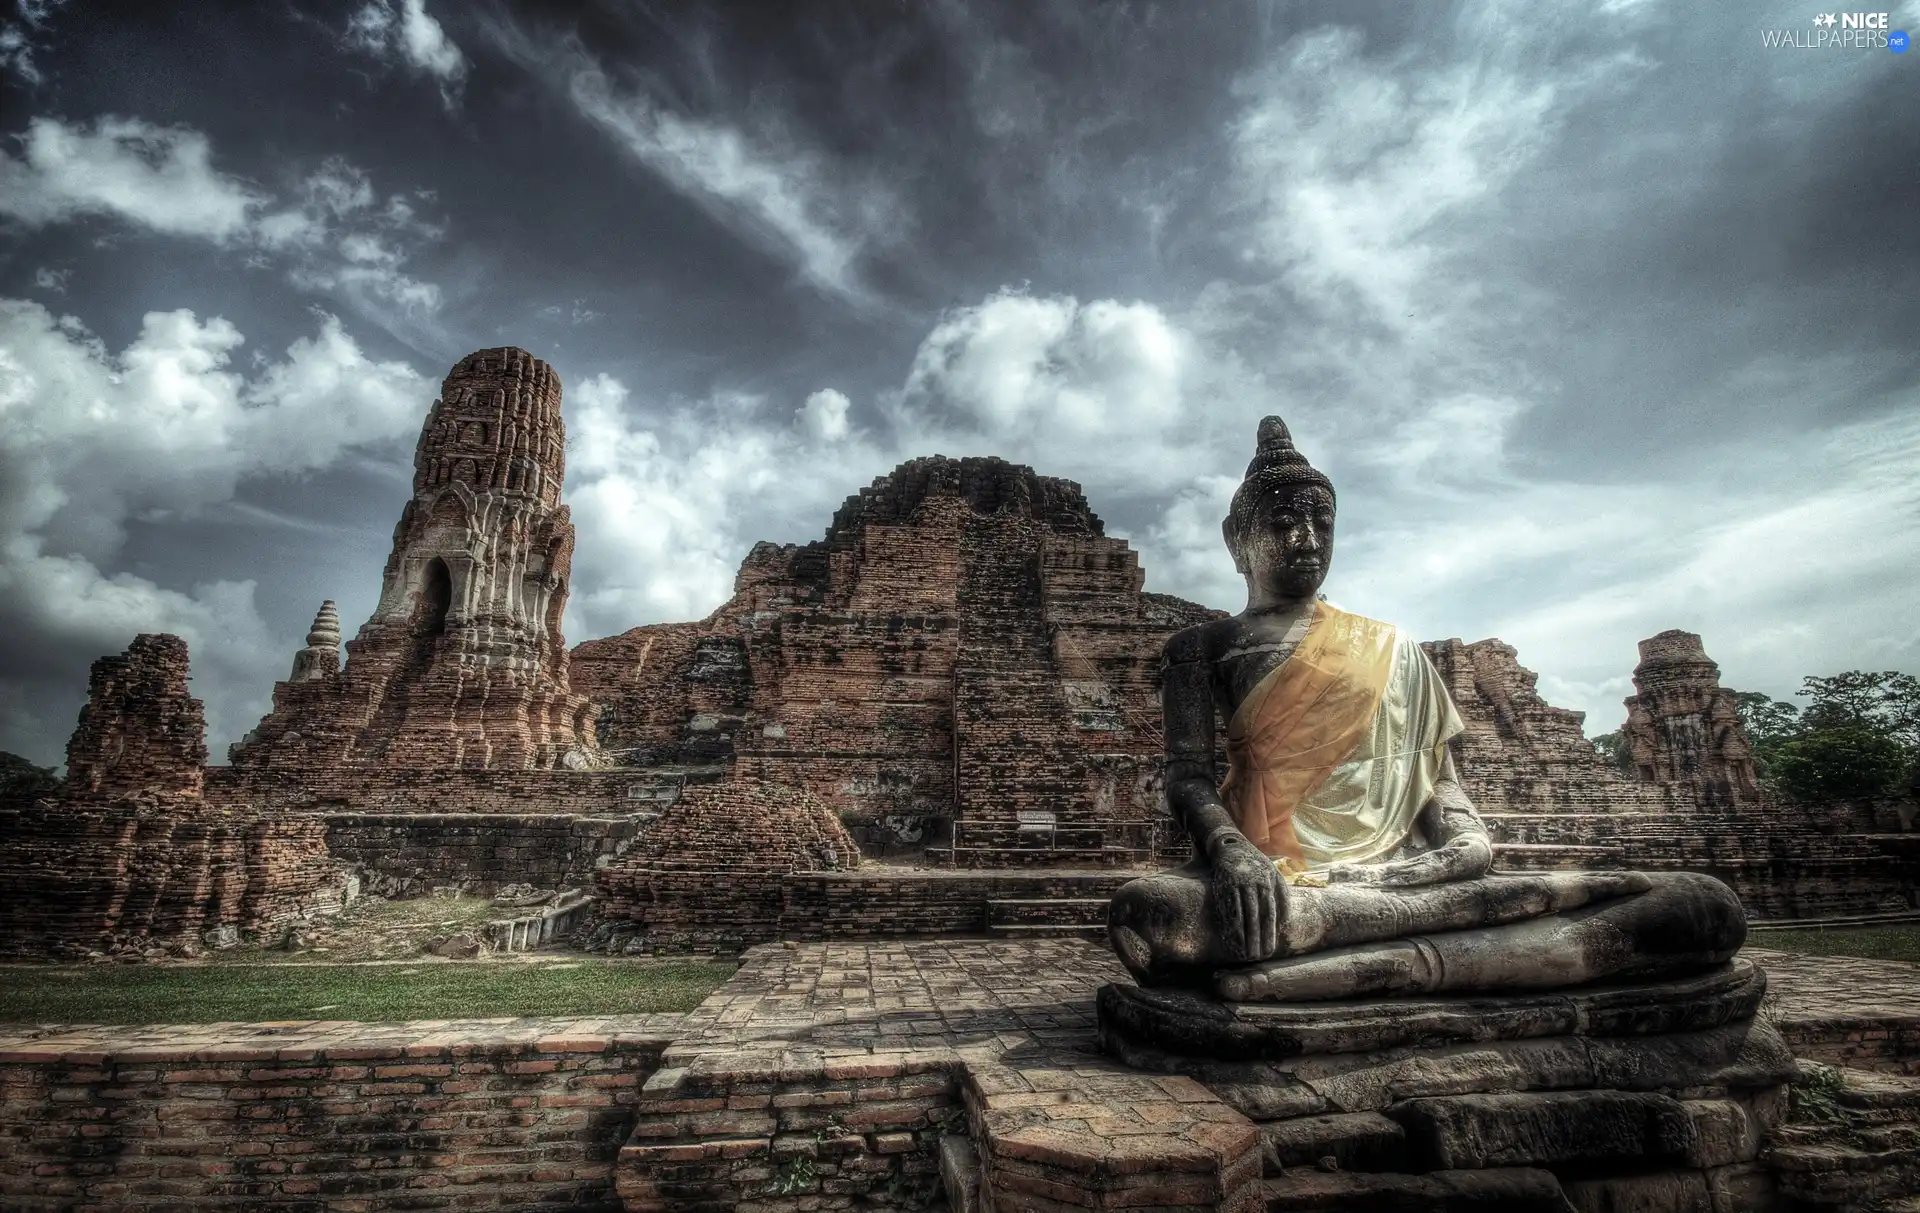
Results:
<point x="1233" y="547"/>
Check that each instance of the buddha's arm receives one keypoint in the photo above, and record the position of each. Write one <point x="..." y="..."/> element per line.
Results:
<point x="1247" y="892"/>
<point x="1461" y="849"/>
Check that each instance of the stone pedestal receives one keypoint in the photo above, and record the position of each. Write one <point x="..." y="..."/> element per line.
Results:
<point x="1653" y="1097"/>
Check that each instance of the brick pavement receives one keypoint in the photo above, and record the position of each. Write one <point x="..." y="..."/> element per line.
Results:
<point x="1846" y="1011"/>
<point x="824" y="1075"/>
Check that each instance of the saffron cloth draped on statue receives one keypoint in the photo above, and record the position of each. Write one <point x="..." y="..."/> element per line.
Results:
<point x="1332" y="755"/>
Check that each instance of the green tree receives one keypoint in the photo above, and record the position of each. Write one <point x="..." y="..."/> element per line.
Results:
<point x="1840" y="761"/>
<point x="21" y="782"/>
<point x="1768" y="723"/>
<point x="1886" y="702"/>
<point x="1614" y="748"/>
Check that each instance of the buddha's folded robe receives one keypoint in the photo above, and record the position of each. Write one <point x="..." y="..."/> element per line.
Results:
<point x="1334" y="753"/>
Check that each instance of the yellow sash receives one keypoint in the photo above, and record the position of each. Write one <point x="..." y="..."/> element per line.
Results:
<point x="1300" y="722"/>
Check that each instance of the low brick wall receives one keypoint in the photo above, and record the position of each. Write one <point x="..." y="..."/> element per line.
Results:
<point x="79" y="876"/>
<point x="1890" y="1044"/>
<point x="519" y="1115"/>
<point x="741" y="908"/>
<point x="852" y="1133"/>
<point x="828" y="905"/>
<point x="478" y="851"/>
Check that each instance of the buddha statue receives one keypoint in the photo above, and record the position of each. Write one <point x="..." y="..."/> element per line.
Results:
<point x="1340" y="857"/>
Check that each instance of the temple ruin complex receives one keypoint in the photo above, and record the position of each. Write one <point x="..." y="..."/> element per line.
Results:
<point x="963" y="670"/>
<point x="917" y="758"/>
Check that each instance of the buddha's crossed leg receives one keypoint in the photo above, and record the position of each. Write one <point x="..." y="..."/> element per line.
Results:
<point x="1523" y="931"/>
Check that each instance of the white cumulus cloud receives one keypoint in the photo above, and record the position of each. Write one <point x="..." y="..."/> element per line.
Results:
<point x="334" y="234"/>
<point x="408" y="35"/>
<point x="824" y="415"/>
<point x="92" y="441"/>
<point x="160" y="177"/>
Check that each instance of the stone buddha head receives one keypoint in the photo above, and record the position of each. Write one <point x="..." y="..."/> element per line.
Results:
<point x="1280" y="525"/>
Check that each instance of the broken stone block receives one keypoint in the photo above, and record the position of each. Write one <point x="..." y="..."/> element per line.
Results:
<point x="1544" y="1128"/>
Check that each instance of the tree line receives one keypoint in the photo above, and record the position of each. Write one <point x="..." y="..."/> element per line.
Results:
<point x="1857" y="738"/>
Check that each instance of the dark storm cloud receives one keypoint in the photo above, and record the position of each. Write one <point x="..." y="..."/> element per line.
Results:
<point x="1592" y="310"/>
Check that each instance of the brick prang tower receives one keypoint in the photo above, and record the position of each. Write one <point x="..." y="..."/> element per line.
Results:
<point x="1683" y="725"/>
<point x="462" y="663"/>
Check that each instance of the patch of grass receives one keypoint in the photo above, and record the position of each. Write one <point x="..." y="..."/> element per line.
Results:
<point x="144" y="994"/>
<point x="1872" y="943"/>
<point x="1813" y="1097"/>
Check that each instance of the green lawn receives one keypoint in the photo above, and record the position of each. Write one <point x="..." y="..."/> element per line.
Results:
<point x="138" y="994"/>
<point x="1876" y="943"/>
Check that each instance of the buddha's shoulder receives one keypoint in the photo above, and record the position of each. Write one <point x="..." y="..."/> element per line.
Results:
<point x="1201" y="642"/>
<point x="1354" y="619"/>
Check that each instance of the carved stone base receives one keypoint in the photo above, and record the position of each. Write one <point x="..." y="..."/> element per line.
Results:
<point x="1549" y="1101"/>
<point x="1190" y="1024"/>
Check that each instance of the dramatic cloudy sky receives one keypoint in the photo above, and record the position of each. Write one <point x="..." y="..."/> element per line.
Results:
<point x="1600" y="314"/>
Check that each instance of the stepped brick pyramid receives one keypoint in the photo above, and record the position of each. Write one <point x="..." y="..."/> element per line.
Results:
<point x="130" y="856"/>
<point x="462" y="663"/>
<point x="965" y="659"/>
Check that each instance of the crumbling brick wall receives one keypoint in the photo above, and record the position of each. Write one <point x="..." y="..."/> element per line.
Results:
<point x="140" y="731"/>
<point x="715" y="867"/>
<point x="131" y="854"/>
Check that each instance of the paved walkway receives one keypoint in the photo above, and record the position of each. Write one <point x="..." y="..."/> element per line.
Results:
<point x="893" y="996"/>
<point x="1826" y="987"/>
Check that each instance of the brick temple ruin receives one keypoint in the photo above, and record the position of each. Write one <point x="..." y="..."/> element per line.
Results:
<point x="938" y="720"/>
<point x="962" y="673"/>
<point x="131" y="856"/>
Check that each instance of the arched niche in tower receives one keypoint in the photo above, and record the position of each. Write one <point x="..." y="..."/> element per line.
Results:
<point x="436" y="596"/>
<point x="556" y="607"/>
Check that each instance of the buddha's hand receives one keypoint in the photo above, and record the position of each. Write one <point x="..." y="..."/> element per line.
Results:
<point x="1462" y="859"/>
<point x="1249" y="897"/>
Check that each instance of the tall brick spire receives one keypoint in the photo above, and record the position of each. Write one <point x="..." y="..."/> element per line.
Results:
<point x="462" y="662"/>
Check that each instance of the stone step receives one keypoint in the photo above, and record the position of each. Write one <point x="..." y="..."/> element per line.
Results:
<point x="1047" y="911"/>
<point x="1044" y="930"/>
<point x="960" y="1174"/>
<point x="1828" y="1171"/>
<point x="1004" y="857"/>
<point x="1355" y="1141"/>
<point x="1496" y="1190"/>
<point x="1873" y="1098"/>
<point x="539" y="925"/>
<point x="1535" y="857"/>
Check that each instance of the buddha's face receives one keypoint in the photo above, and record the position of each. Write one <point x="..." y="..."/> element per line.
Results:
<point x="1288" y="543"/>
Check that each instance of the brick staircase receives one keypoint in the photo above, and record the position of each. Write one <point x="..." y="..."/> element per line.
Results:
<point x="1025" y="917"/>
<point x="1853" y="1142"/>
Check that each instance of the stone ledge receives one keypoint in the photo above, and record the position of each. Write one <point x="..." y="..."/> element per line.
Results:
<point x="330" y="1040"/>
<point x="1182" y="1022"/>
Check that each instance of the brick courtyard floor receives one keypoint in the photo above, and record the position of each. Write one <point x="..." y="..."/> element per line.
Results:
<point x="894" y="996"/>
<point x="873" y="1043"/>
